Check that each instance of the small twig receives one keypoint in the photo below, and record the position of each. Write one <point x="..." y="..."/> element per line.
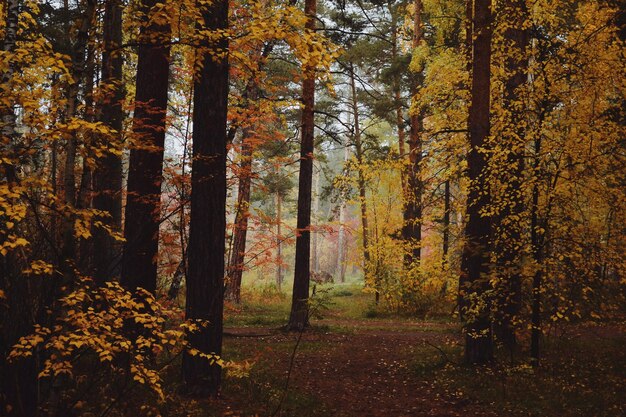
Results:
<point x="291" y="363"/>
<point x="443" y="354"/>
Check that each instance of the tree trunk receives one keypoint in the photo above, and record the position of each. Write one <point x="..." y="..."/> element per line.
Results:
<point x="509" y="246"/>
<point x="360" y="157"/>
<point x="18" y="381"/>
<point x="237" y="255"/>
<point x="299" y="316"/>
<point x="315" y="260"/>
<point x="143" y="202"/>
<point x="341" y="240"/>
<point x="474" y="280"/>
<point x="8" y="119"/>
<point x="207" y="238"/>
<point x="107" y="178"/>
<point x="537" y="247"/>
<point x="68" y="251"/>
<point x="446" y="222"/>
<point x="412" y="228"/>
<point x="279" y="242"/>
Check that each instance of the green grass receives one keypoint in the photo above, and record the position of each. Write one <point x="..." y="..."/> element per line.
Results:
<point x="581" y="376"/>
<point x="578" y="377"/>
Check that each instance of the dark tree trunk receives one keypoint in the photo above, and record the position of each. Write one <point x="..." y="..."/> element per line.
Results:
<point x="237" y="256"/>
<point x="68" y="251"/>
<point x="474" y="280"/>
<point x="298" y="319"/>
<point x="205" y="276"/>
<point x="360" y="158"/>
<point x="18" y="381"/>
<point x="412" y="227"/>
<point x="107" y="178"/>
<point x="538" y="254"/>
<point x="238" y="251"/>
<point x="141" y="219"/>
<point x="279" y="241"/>
<point x="508" y="248"/>
<point x="86" y="177"/>
<point x="446" y="222"/>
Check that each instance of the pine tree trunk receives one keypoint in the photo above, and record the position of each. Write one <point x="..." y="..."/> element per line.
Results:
<point x="446" y="222"/>
<point x="538" y="254"/>
<point x="341" y="240"/>
<point x="508" y="249"/>
<point x="360" y="157"/>
<point x="299" y="317"/>
<point x="107" y="178"/>
<point x="236" y="262"/>
<point x="68" y="251"/>
<point x="141" y="217"/>
<point x="279" y="242"/>
<point x="412" y="228"/>
<point x="315" y="261"/>
<point x="7" y="114"/>
<point x="207" y="228"/>
<point x="474" y="278"/>
<point x="18" y="380"/>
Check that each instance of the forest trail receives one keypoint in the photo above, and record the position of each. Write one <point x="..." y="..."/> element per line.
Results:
<point x="366" y="369"/>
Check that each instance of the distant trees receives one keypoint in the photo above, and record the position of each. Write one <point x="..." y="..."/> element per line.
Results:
<point x="526" y="216"/>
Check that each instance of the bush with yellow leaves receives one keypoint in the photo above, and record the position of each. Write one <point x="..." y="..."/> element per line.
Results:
<point x="107" y="343"/>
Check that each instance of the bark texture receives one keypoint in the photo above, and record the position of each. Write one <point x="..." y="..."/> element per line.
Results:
<point x="298" y="318"/>
<point x="143" y="202"/>
<point x="107" y="178"/>
<point x="205" y="275"/>
<point x="474" y="280"/>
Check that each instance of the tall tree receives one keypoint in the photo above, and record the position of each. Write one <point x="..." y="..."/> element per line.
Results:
<point x="18" y="385"/>
<point x="474" y="282"/>
<point x="508" y="235"/>
<point x="360" y="159"/>
<point x="298" y="318"/>
<point x="412" y="228"/>
<point x="238" y="251"/>
<point x="205" y="279"/>
<point x="145" y="172"/>
<point x="107" y="178"/>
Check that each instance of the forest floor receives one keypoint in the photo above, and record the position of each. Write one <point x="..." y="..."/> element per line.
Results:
<point x="360" y="362"/>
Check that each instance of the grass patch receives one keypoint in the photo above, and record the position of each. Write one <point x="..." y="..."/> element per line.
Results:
<point x="578" y="377"/>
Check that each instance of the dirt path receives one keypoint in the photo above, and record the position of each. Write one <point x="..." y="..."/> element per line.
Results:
<point x="365" y="372"/>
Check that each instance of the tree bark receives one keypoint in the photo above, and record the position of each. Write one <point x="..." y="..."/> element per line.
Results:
<point x="538" y="254"/>
<point x="360" y="158"/>
<point x="143" y="202"/>
<point x="8" y="119"/>
<point x="107" y="178"/>
<point x="474" y="280"/>
<point x="18" y="381"/>
<point x="509" y="235"/>
<point x="315" y="261"/>
<point x="299" y="316"/>
<point x="207" y="238"/>
<point x="236" y="262"/>
<point x="412" y="227"/>
<point x="341" y="240"/>
<point x="279" y="242"/>
<point x="68" y="251"/>
<point x="446" y="222"/>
